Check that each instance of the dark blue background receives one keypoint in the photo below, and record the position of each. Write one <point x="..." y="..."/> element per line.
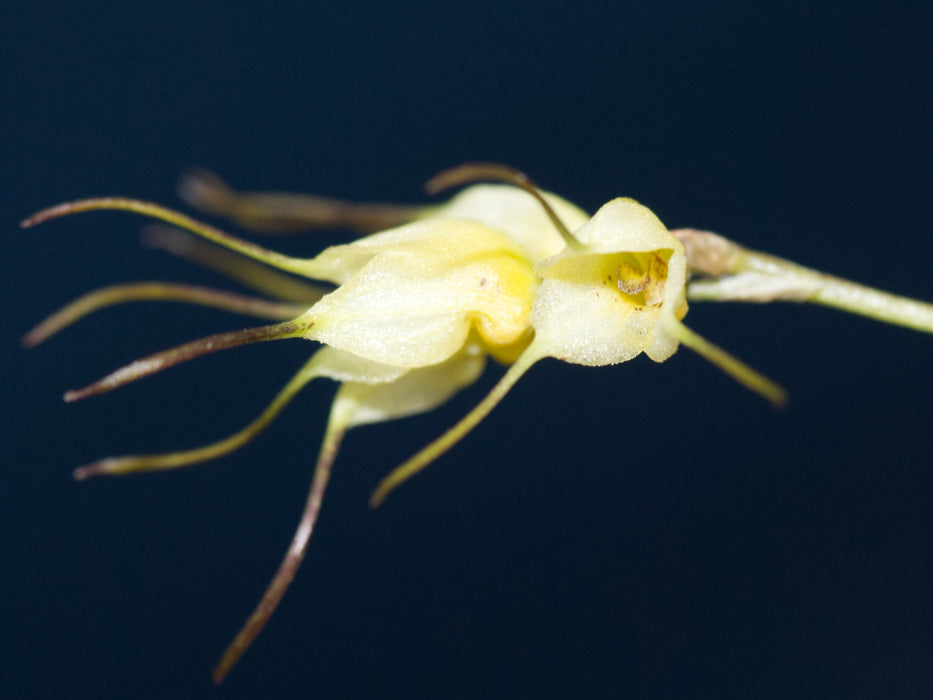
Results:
<point x="637" y="531"/>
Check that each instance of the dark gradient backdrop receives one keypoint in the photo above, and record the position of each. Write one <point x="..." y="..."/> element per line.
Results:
<point x="645" y="530"/>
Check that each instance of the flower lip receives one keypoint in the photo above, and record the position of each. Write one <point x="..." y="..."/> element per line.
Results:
<point x="611" y="300"/>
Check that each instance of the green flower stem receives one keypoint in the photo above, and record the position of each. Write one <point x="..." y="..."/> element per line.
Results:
<point x="729" y="272"/>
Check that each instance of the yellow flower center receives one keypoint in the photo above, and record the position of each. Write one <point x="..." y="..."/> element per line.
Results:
<point x="641" y="277"/>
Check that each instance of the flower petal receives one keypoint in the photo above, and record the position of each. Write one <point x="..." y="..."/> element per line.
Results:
<point x="515" y="212"/>
<point x="415" y="292"/>
<point x="417" y="391"/>
<point x="599" y="307"/>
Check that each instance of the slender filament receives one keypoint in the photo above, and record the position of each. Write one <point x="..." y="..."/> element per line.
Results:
<point x="730" y="364"/>
<point x="152" y="364"/>
<point x="173" y="460"/>
<point x="250" y="250"/>
<point x="292" y="560"/>
<point x="437" y="448"/>
<point x="158" y="291"/>
<point x="282" y="212"/>
<point x="251" y="273"/>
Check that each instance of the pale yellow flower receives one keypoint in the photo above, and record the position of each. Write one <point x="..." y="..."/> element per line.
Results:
<point x="413" y="312"/>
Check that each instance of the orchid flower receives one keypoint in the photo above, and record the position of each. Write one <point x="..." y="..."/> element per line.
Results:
<point x="411" y="313"/>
